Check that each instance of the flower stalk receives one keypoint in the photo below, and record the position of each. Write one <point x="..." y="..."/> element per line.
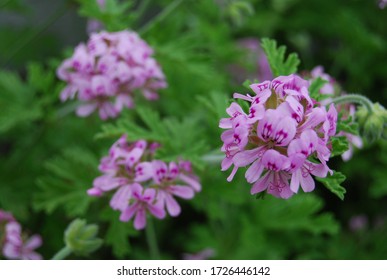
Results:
<point x="152" y="241"/>
<point x="62" y="253"/>
<point x="354" y="98"/>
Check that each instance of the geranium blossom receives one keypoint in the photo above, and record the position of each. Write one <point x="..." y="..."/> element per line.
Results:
<point x="15" y="244"/>
<point x="330" y="90"/>
<point x="285" y="141"/>
<point x="105" y="73"/>
<point x="142" y="184"/>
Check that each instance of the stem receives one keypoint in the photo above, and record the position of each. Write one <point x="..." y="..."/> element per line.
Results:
<point x="354" y="98"/>
<point x="159" y="17"/>
<point x="152" y="241"/>
<point x="142" y="8"/>
<point x="23" y="41"/>
<point x="62" y="254"/>
<point x="213" y="158"/>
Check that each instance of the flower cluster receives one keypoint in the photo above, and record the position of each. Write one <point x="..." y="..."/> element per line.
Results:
<point x="13" y="242"/>
<point x="105" y="73"/>
<point x="284" y="138"/>
<point x="331" y="89"/>
<point x="143" y="185"/>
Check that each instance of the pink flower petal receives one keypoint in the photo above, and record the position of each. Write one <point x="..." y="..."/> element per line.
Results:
<point x="33" y="242"/>
<point x="173" y="207"/>
<point x="182" y="191"/>
<point x="120" y="199"/>
<point x="140" y="219"/>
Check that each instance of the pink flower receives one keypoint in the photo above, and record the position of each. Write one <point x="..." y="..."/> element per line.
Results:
<point x="329" y="87"/>
<point x="276" y="179"/>
<point x="255" y="56"/>
<point x="105" y="72"/>
<point x="277" y="141"/>
<point x="143" y="186"/>
<point x="166" y="178"/>
<point x="123" y="168"/>
<point x="14" y="246"/>
<point x="358" y="223"/>
<point x="144" y="201"/>
<point x="300" y="167"/>
<point x="6" y="217"/>
<point x="332" y="89"/>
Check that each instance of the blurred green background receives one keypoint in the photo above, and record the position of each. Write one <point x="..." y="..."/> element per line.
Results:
<point x="49" y="157"/>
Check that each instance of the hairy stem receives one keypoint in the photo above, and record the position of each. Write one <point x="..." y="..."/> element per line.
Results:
<point x="354" y="98"/>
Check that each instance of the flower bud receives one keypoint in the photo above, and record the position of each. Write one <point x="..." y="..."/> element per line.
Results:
<point x="81" y="238"/>
<point x="372" y="125"/>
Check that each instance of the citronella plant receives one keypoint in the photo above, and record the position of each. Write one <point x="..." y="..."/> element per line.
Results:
<point x="140" y="121"/>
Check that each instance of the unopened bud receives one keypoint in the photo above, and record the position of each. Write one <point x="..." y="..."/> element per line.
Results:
<point x="81" y="238"/>
<point x="372" y="124"/>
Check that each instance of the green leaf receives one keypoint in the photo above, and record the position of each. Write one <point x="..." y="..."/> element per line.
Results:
<point x="332" y="183"/>
<point x="298" y="213"/>
<point x="348" y="125"/>
<point x="115" y="15"/>
<point x="18" y="104"/>
<point x="247" y="84"/>
<point x="314" y="89"/>
<point x="215" y="103"/>
<point x="276" y="57"/>
<point x="178" y="138"/>
<point x="118" y="233"/>
<point x="67" y="180"/>
<point x="339" y="145"/>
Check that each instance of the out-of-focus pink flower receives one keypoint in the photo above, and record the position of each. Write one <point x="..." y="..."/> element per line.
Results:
<point x="166" y="178"/>
<point x="123" y="168"/>
<point x="105" y="73"/>
<point x="358" y="223"/>
<point x="143" y="185"/>
<point x="143" y="201"/>
<point x="16" y="248"/>
<point x="256" y="58"/>
<point x="329" y="87"/>
<point x="6" y="217"/>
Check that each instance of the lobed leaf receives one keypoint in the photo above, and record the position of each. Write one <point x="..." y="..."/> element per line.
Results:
<point x="276" y="57"/>
<point x="332" y="183"/>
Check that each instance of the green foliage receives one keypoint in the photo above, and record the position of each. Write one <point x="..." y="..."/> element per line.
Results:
<point x="265" y="229"/>
<point x="339" y="145"/>
<point x="348" y="125"/>
<point x="50" y="157"/>
<point x="314" y="89"/>
<point x="15" y="102"/>
<point x="178" y="139"/>
<point x="115" y="15"/>
<point x="332" y="183"/>
<point x="276" y="56"/>
<point x="69" y="176"/>
<point x="118" y="233"/>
